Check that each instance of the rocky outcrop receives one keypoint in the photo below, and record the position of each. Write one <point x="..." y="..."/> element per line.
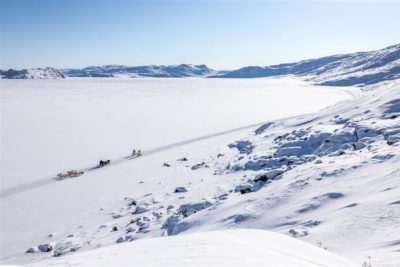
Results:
<point x="38" y="73"/>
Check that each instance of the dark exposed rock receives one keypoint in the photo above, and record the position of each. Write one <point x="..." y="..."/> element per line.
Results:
<point x="180" y="189"/>
<point x="45" y="247"/>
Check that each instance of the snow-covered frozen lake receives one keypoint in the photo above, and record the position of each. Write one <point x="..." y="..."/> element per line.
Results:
<point x="49" y="126"/>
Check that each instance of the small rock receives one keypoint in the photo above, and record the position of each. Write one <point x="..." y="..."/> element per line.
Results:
<point x="31" y="250"/>
<point x="270" y="175"/>
<point x="131" y="221"/>
<point x="140" y="210"/>
<point x="223" y="196"/>
<point x="130" y="229"/>
<point x="155" y="200"/>
<point x="166" y="164"/>
<point x="243" y="189"/>
<point x="124" y="239"/>
<point x="132" y="203"/>
<point x="116" y="216"/>
<point x="199" y="165"/>
<point x="75" y="248"/>
<point x="180" y="189"/>
<point x="57" y="253"/>
<point x="45" y="247"/>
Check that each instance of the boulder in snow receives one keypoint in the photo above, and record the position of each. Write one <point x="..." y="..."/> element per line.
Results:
<point x="140" y="209"/>
<point x="31" y="250"/>
<point x="244" y="189"/>
<point x="270" y="175"/>
<point x="45" y="247"/>
<point x="199" y="165"/>
<point x="126" y="238"/>
<point x="180" y="189"/>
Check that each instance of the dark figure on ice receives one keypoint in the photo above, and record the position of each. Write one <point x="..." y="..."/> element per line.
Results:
<point x="104" y="162"/>
<point x="137" y="153"/>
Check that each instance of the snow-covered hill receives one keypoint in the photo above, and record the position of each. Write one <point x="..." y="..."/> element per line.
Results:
<point x="239" y="247"/>
<point x="38" y="73"/>
<point x="340" y="70"/>
<point x="182" y="70"/>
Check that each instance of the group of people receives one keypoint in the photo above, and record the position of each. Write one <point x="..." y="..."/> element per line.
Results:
<point x="135" y="153"/>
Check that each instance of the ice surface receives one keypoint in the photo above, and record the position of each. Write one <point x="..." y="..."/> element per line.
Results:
<point x="51" y="126"/>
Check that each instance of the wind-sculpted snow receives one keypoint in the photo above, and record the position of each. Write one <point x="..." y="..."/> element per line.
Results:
<point x="361" y="68"/>
<point x="171" y="71"/>
<point x="218" y="248"/>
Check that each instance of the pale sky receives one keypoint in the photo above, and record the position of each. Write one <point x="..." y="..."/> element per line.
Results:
<point x="221" y="34"/>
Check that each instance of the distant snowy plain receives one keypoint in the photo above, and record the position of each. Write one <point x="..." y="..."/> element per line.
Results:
<point x="50" y="126"/>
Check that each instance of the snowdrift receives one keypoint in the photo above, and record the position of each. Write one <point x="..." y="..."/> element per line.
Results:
<point x="239" y="247"/>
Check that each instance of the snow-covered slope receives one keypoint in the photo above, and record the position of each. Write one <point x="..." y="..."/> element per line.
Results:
<point x="240" y="247"/>
<point x="340" y="70"/>
<point x="38" y="73"/>
<point x="182" y="70"/>
<point x="330" y="178"/>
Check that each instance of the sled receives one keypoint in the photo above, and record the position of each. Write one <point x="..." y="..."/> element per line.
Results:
<point x="69" y="174"/>
<point x="104" y="163"/>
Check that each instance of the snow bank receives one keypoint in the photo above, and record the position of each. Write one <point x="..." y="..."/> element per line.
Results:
<point x="240" y="247"/>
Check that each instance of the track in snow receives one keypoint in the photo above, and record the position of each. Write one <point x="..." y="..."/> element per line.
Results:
<point x="42" y="182"/>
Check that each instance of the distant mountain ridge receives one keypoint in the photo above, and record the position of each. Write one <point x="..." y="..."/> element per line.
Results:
<point x="162" y="71"/>
<point x="337" y="70"/>
<point x="361" y="68"/>
<point x="35" y="73"/>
